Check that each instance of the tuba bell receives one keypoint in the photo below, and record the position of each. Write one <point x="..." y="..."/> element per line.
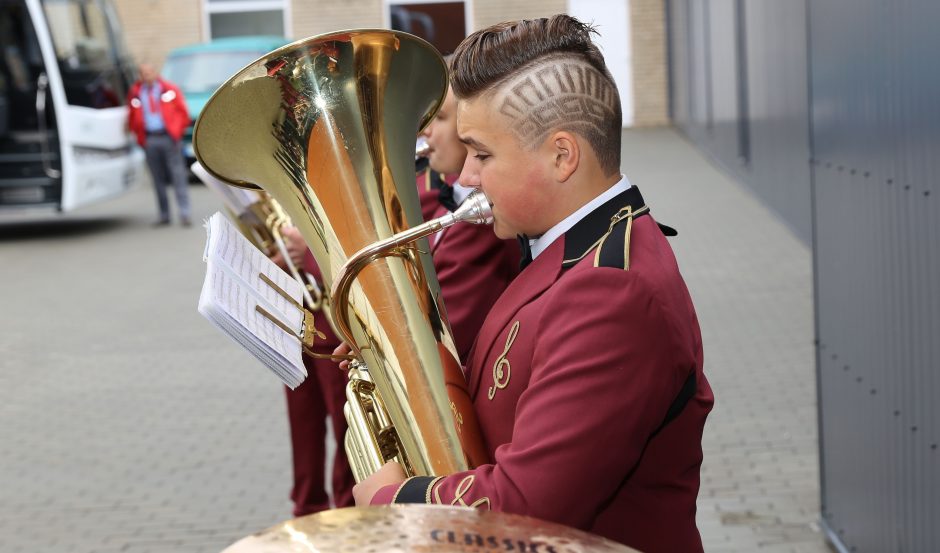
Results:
<point x="327" y="127"/>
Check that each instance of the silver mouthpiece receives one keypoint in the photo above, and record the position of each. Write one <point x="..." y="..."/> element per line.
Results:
<point x="475" y="209"/>
<point x="421" y="148"/>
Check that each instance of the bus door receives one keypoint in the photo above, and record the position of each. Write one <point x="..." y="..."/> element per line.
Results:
<point x="88" y="58"/>
<point x="88" y="72"/>
<point x="30" y="159"/>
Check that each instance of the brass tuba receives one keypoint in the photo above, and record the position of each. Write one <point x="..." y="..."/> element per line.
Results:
<point x="327" y="126"/>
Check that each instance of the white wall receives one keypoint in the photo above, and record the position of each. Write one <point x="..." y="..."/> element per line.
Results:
<point x="612" y="19"/>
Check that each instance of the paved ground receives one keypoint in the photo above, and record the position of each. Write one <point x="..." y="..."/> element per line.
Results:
<point x="128" y="423"/>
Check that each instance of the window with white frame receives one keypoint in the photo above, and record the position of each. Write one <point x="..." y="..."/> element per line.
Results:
<point x="226" y="18"/>
<point x="443" y="24"/>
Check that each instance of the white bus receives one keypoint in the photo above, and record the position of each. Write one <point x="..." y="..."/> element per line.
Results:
<point x="64" y="75"/>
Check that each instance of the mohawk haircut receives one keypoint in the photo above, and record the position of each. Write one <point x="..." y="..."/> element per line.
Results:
<point x="546" y="75"/>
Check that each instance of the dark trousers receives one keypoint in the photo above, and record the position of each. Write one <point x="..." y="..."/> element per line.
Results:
<point x="165" y="159"/>
<point x="322" y="395"/>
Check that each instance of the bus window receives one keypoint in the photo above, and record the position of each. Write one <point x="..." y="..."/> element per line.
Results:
<point x="86" y="53"/>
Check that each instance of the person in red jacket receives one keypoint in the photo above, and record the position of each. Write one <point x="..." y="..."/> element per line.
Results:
<point x="321" y="396"/>
<point x="587" y="376"/>
<point x="158" y="116"/>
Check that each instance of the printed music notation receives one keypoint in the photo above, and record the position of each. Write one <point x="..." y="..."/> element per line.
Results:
<point x="237" y="300"/>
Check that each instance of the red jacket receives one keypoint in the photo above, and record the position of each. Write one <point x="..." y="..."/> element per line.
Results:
<point x="172" y="106"/>
<point x="587" y="381"/>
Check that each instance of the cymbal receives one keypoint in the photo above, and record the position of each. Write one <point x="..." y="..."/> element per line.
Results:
<point x="425" y="528"/>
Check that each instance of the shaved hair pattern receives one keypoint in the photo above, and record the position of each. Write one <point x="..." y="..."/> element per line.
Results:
<point x="559" y="94"/>
<point x="544" y="75"/>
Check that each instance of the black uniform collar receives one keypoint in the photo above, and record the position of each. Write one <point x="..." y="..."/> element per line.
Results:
<point x="445" y="191"/>
<point x="585" y="234"/>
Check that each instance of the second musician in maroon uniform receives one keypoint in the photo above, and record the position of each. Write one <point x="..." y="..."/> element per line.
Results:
<point x="320" y="397"/>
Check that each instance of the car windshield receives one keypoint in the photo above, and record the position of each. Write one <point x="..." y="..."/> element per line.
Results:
<point x="206" y="71"/>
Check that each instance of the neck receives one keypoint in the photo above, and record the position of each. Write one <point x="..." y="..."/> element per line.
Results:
<point x="578" y="190"/>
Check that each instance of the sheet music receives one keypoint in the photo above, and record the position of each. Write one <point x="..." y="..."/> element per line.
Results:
<point x="248" y="263"/>
<point x="233" y="288"/>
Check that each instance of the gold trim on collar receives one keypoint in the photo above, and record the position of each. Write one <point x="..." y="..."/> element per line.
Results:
<point x="625" y="212"/>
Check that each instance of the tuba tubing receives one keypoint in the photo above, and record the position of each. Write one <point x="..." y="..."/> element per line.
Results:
<point x="475" y="209"/>
<point x="372" y="439"/>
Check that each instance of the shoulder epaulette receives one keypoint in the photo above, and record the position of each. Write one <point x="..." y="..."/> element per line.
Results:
<point x="613" y="249"/>
<point x="605" y="232"/>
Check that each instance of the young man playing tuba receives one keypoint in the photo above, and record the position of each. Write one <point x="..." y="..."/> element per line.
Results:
<point x="587" y="374"/>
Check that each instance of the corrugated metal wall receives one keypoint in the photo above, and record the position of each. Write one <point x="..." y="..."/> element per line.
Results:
<point x="876" y="143"/>
<point x="838" y="110"/>
<point x="738" y="81"/>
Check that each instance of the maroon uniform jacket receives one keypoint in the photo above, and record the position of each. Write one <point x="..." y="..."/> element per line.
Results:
<point x="473" y="265"/>
<point x="429" y="189"/>
<point x="587" y="381"/>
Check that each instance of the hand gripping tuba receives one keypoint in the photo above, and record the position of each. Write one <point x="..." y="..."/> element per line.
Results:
<point x="327" y="126"/>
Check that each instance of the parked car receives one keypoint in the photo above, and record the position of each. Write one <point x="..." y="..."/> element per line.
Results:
<point x="199" y="69"/>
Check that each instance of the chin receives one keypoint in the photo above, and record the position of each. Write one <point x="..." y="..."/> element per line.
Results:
<point x="502" y="232"/>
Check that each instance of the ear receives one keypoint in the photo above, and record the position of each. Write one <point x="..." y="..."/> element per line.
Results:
<point x="567" y="154"/>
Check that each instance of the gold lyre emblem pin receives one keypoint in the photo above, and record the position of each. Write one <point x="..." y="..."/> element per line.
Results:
<point x="502" y="371"/>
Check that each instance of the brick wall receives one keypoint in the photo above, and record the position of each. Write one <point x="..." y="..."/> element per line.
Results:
<point x="154" y="27"/>
<point x="488" y="12"/>
<point x="650" y="84"/>
<point x="314" y="17"/>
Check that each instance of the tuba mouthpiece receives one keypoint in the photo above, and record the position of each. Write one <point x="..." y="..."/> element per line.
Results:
<point x="421" y="148"/>
<point x="476" y="209"/>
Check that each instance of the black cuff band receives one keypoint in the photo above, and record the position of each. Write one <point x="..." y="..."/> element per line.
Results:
<point x="415" y="490"/>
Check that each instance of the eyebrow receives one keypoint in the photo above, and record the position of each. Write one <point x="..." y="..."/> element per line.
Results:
<point x="471" y="142"/>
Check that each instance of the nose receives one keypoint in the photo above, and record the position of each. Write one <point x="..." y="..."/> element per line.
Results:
<point x="468" y="177"/>
<point x="427" y="130"/>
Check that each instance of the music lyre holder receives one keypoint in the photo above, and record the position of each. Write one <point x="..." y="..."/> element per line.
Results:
<point x="308" y="333"/>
